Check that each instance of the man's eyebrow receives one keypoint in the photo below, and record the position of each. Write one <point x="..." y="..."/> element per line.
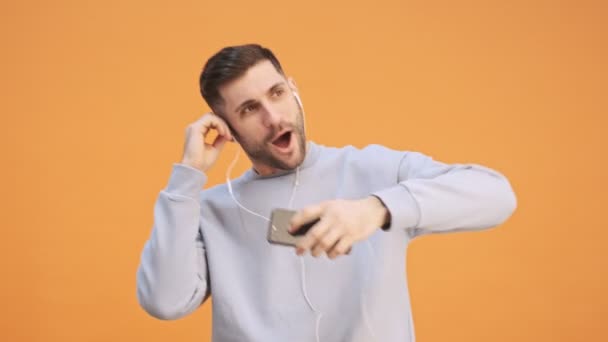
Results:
<point x="246" y="103"/>
<point x="251" y="101"/>
<point x="276" y="85"/>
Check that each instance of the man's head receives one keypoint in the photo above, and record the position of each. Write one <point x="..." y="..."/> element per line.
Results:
<point x="246" y="86"/>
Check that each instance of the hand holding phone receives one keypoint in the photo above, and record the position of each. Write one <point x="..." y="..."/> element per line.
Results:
<point x="278" y="230"/>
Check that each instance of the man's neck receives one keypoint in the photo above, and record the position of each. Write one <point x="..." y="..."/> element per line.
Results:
<point x="265" y="170"/>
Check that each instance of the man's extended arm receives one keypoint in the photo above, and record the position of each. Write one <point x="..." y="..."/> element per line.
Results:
<point x="434" y="197"/>
<point x="427" y="197"/>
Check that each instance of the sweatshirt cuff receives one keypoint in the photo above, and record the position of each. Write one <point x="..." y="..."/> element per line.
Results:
<point x="402" y="207"/>
<point x="186" y="181"/>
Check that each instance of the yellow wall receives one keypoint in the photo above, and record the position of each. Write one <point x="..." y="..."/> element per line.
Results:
<point x="95" y="97"/>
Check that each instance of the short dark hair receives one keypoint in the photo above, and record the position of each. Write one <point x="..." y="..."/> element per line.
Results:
<point x="229" y="64"/>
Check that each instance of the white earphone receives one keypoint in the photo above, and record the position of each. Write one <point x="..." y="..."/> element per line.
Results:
<point x="297" y="98"/>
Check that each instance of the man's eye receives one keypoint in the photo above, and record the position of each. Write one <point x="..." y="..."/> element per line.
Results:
<point x="249" y="108"/>
<point x="278" y="92"/>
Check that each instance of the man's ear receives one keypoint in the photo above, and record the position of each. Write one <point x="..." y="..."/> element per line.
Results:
<point x="292" y="84"/>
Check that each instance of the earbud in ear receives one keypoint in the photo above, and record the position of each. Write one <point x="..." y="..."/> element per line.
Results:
<point x="297" y="98"/>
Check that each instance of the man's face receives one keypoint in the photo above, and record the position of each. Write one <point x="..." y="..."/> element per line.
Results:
<point x="265" y="118"/>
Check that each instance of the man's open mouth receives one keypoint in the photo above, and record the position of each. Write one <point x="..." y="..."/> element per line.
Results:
<point x="283" y="140"/>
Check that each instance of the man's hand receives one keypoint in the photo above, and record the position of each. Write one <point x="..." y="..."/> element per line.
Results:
<point x="342" y="223"/>
<point x="198" y="153"/>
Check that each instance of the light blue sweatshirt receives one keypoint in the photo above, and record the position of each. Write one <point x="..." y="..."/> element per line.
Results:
<point x="203" y="244"/>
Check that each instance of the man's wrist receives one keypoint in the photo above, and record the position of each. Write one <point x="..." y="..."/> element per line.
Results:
<point x="383" y="213"/>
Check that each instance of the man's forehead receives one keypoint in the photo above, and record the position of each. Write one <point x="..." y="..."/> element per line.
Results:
<point x="254" y="83"/>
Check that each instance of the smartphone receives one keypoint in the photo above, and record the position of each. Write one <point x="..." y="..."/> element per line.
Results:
<point x="278" y="230"/>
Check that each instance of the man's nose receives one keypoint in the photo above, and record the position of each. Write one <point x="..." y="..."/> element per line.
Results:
<point x="272" y="114"/>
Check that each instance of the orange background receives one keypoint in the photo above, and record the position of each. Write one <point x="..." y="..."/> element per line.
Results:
<point x="95" y="97"/>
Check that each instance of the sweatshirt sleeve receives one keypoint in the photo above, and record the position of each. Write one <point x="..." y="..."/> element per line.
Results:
<point x="434" y="197"/>
<point x="172" y="278"/>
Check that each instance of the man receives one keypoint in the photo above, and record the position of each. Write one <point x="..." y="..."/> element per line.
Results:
<point x="345" y="280"/>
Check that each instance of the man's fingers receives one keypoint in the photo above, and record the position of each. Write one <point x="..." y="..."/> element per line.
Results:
<point x="326" y="242"/>
<point x="219" y="142"/>
<point x="312" y="237"/>
<point x="305" y="215"/>
<point x="342" y="247"/>
<point x="212" y="121"/>
<point x="219" y="126"/>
